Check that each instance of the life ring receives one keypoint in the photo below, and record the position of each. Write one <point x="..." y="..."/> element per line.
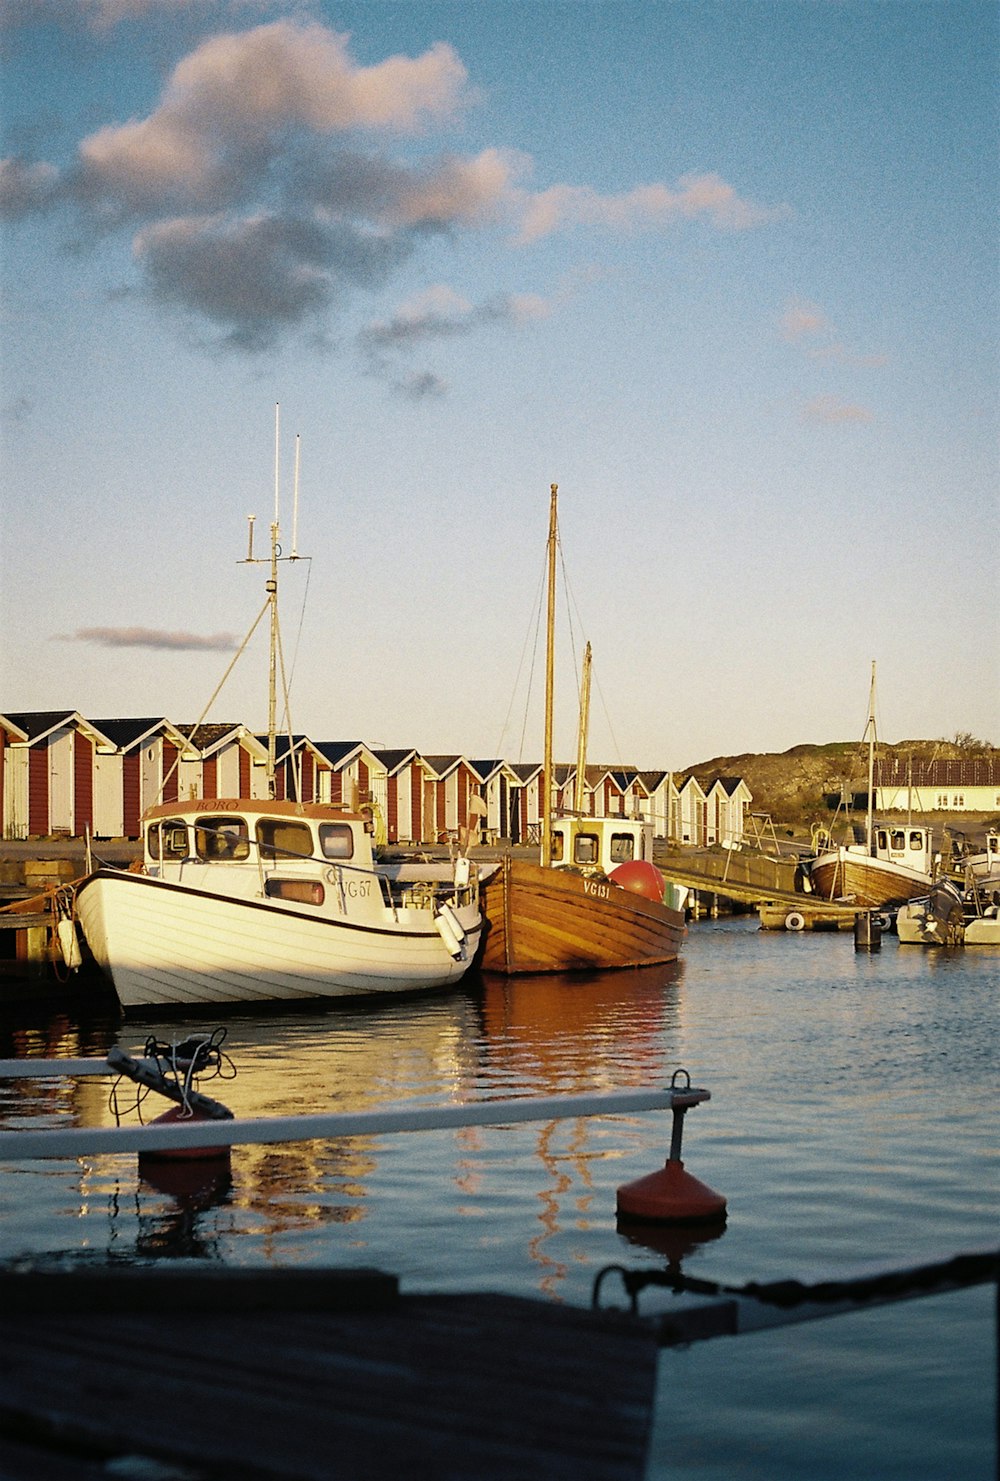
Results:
<point x="795" y="921"/>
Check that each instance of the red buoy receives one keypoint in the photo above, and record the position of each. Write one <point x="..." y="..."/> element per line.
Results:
<point x="185" y="1171"/>
<point x="670" y="1196"/>
<point x="641" y="877"/>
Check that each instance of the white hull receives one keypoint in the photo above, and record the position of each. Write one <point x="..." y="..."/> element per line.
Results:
<point x="167" y="944"/>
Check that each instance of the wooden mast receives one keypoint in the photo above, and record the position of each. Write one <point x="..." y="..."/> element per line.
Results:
<point x="581" y="746"/>
<point x="870" y="732"/>
<point x="550" y="630"/>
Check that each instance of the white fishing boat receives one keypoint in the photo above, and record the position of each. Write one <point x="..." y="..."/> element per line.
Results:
<point x="894" y="862"/>
<point x="260" y="900"/>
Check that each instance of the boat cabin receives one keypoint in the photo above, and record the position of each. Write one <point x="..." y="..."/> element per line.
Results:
<point x="599" y="845"/>
<point x="263" y="835"/>
<point x="910" y="845"/>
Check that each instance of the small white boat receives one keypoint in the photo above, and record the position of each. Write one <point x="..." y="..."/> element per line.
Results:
<point x="951" y="916"/>
<point x="257" y="901"/>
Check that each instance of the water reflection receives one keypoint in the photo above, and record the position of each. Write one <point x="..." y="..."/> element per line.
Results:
<point x="498" y="1038"/>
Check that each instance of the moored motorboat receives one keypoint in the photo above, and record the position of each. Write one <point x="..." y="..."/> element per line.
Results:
<point x="260" y="901"/>
<point x="951" y="916"/>
<point x="263" y="900"/>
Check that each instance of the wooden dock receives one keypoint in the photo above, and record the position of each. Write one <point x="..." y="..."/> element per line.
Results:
<point x="270" y="1374"/>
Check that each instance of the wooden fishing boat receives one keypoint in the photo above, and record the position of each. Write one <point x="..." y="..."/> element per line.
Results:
<point x="894" y="863"/>
<point x="594" y="900"/>
<point x="262" y="900"/>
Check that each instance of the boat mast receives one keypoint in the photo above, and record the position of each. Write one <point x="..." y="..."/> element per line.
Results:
<point x="550" y="629"/>
<point x="272" y="592"/>
<point x="581" y="747"/>
<point x="870" y="732"/>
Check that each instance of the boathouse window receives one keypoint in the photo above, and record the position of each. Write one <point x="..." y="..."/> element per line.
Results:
<point x="336" y="840"/>
<point x="222" y="839"/>
<point x="622" y="848"/>
<point x="586" y="849"/>
<point x="278" y="838"/>
<point x="301" y="891"/>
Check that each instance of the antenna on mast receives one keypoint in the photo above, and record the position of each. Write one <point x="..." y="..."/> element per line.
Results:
<point x="295" y="502"/>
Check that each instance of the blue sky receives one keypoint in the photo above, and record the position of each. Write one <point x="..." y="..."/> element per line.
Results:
<point x="726" y="273"/>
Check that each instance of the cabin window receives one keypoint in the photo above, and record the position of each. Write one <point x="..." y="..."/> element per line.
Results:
<point x="916" y="841"/>
<point x="153" y="840"/>
<point x="557" y="848"/>
<point x="277" y="838"/>
<point x="882" y="839"/>
<point x="299" y="891"/>
<point x="171" y="840"/>
<point x="586" y="849"/>
<point x="222" y="839"/>
<point x="336" y="840"/>
<point x="897" y="839"/>
<point x="622" y="848"/>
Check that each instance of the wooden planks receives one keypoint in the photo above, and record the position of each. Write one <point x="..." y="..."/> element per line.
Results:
<point x="439" y="1388"/>
<point x="552" y="920"/>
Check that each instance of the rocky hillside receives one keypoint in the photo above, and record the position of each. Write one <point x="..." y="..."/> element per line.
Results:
<point x="805" y="785"/>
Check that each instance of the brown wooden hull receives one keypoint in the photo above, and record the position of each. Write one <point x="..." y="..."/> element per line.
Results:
<point x="552" y="920"/>
<point x="868" y="882"/>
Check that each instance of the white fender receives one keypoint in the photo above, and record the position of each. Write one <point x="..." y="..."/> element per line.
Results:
<point x="68" y="944"/>
<point x="795" y="921"/>
<point x="451" y="931"/>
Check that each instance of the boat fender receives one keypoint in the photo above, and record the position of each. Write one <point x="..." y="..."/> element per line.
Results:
<point x="451" y="931"/>
<point x="69" y="944"/>
<point x="461" y="873"/>
<point x="795" y="921"/>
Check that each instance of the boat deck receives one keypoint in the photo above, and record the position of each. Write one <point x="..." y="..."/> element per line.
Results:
<point x="315" y="1374"/>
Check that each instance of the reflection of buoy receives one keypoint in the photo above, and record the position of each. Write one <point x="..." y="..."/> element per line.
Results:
<point x="670" y="1196"/>
<point x="641" y="877"/>
<point x="184" y="1169"/>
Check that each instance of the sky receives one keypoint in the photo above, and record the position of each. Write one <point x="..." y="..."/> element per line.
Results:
<point x="724" y="273"/>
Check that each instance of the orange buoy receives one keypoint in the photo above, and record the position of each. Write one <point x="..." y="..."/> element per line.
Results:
<point x="185" y="1171"/>
<point x="670" y="1196"/>
<point x="641" y="877"/>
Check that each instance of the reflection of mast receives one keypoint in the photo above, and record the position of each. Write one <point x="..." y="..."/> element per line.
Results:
<point x="581" y="745"/>
<point x="550" y="629"/>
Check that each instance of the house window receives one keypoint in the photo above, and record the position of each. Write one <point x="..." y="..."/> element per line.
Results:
<point x="958" y="800"/>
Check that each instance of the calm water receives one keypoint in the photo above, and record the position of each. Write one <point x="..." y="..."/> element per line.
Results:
<point x="852" y="1125"/>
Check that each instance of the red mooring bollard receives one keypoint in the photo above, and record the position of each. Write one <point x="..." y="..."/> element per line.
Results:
<point x="672" y="1195"/>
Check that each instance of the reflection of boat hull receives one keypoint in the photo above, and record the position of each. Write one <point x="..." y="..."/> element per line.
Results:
<point x="869" y="882"/>
<point x="162" y="943"/>
<point x="541" y="919"/>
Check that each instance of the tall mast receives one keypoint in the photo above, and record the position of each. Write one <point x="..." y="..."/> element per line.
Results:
<point x="550" y="632"/>
<point x="870" y="732"/>
<point x="272" y="592"/>
<point x="581" y="745"/>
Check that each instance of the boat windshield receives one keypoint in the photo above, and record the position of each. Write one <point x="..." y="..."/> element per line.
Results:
<point x="336" y="840"/>
<point x="221" y="839"/>
<point x="280" y="838"/>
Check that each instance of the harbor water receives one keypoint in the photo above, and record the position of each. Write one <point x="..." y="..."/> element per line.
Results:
<point x="852" y="1127"/>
